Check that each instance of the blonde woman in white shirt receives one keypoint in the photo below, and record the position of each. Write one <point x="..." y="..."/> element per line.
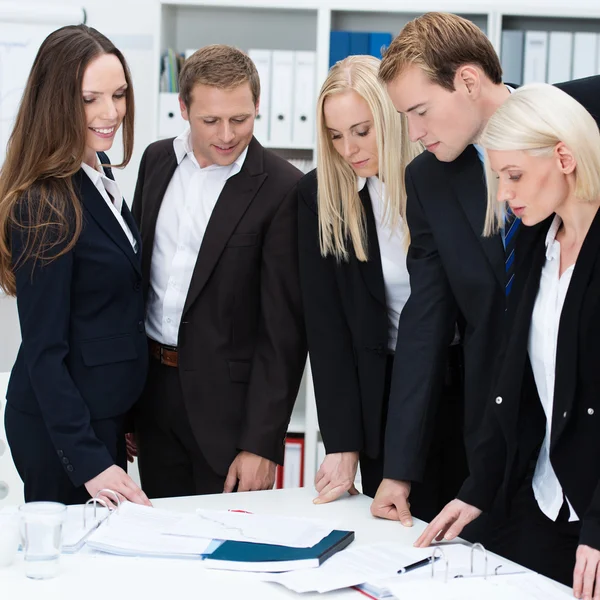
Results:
<point x="353" y="241"/>
<point x="70" y="253"/>
<point x="539" y="454"/>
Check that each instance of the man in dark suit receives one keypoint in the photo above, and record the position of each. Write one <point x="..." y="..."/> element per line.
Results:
<point x="444" y="75"/>
<point x="218" y="217"/>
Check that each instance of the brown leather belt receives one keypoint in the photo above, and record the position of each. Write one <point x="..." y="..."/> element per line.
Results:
<point x="166" y="355"/>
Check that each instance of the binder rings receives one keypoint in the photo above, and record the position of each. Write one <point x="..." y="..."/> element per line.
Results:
<point x="268" y="558"/>
<point x="466" y="565"/>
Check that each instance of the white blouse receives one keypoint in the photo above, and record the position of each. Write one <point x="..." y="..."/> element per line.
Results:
<point x="392" y="248"/>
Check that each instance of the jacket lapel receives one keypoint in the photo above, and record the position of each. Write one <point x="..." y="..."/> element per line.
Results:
<point x="470" y="189"/>
<point x="568" y="332"/>
<point x="156" y="182"/>
<point x="372" y="271"/>
<point x="524" y="294"/>
<point x="101" y="213"/>
<point x="236" y="197"/>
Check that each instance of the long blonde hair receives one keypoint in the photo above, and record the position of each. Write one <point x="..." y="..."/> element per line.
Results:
<point x="534" y="119"/>
<point x="341" y="214"/>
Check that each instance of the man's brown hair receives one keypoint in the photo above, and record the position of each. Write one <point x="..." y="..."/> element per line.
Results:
<point x="440" y="43"/>
<point x="220" y="66"/>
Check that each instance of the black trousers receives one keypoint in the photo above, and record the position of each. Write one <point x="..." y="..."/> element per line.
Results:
<point x="446" y="467"/>
<point x="526" y="536"/>
<point x="38" y="464"/>
<point x="170" y="460"/>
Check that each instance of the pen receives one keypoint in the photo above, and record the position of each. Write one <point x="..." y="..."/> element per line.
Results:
<point x="416" y="565"/>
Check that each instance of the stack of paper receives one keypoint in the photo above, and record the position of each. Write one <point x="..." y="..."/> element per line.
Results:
<point x="247" y="527"/>
<point x="135" y="530"/>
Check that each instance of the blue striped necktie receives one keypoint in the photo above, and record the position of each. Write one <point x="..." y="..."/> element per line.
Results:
<point x="511" y="227"/>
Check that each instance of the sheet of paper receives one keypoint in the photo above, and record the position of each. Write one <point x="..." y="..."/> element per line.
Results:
<point x="351" y="566"/>
<point x="257" y="528"/>
<point x="139" y="530"/>
<point x="516" y="587"/>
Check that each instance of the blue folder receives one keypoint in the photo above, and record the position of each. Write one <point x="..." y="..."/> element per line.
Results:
<point x="247" y="556"/>
<point x="339" y="46"/>
<point x="359" y="43"/>
<point x="377" y="42"/>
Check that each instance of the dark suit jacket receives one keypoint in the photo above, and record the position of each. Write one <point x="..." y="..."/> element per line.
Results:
<point x="347" y="326"/>
<point x="515" y="422"/>
<point x="456" y="274"/>
<point x="242" y="346"/>
<point x="84" y="353"/>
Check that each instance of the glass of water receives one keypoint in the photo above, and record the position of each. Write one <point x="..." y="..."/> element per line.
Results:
<point x="41" y="537"/>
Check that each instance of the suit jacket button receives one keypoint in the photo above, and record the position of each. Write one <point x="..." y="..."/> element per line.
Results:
<point x="141" y="326"/>
<point x="60" y="453"/>
<point x="590" y="411"/>
<point x="137" y="286"/>
<point x="499" y="400"/>
<point x="65" y="460"/>
<point x="565" y="415"/>
<point x="70" y="468"/>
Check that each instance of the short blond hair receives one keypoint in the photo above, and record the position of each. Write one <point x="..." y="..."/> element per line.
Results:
<point x="534" y="119"/>
<point x="220" y="66"/>
<point x="439" y="43"/>
<point x="341" y="215"/>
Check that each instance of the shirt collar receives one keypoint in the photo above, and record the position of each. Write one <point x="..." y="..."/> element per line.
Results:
<point x="183" y="147"/>
<point x="362" y="181"/>
<point x="477" y="146"/>
<point x="95" y="174"/>
<point x="551" y="238"/>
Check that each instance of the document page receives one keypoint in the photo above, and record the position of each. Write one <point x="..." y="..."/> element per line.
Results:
<point x="529" y="586"/>
<point x="140" y="530"/>
<point x="350" y="567"/>
<point x="257" y="528"/>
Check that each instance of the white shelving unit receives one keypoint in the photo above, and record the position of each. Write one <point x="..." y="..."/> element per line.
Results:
<point x="282" y="25"/>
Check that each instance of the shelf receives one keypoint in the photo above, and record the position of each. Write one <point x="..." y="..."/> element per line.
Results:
<point x="193" y="26"/>
<point x="388" y="21"/>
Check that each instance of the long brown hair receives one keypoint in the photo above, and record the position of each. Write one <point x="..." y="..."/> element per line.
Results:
<point x="47" y="147"/>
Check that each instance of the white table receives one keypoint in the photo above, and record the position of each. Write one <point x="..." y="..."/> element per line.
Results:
<point x="103" y="577"/>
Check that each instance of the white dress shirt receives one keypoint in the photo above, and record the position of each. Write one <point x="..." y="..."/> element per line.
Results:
<point x="184" y="214"/>
<point x="393" y="258"/>
<point x="105" y="185"/>
<point x="543" y="336"/>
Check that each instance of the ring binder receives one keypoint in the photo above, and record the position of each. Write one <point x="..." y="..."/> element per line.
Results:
<point x="443" y="556"/>
<point x="97" y="499"/>
<point x="478" y="546"/>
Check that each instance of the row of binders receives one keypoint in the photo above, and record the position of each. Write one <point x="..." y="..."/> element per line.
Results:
<point x="549" y="56"/>
<point x="286" y="114"/>
<point x="347" y="43"/>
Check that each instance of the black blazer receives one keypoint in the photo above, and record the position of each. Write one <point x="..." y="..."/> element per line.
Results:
<point x="83" y="354"/>
<point x="347" y="326"/>
<point x="456" y="275"/>
<point x="515" y="422"/>
<point x="242" y="345"/>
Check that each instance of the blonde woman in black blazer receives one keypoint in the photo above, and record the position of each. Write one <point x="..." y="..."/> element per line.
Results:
<point x="353" y="241"/>
<point x="539" y="452"/>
